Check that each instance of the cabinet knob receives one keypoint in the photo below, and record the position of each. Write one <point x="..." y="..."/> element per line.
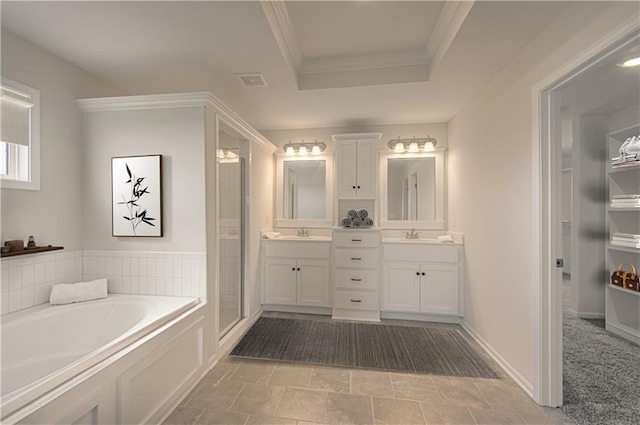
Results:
<point x="298" y="269"/>
<point x="417" y="273"/>
<point x="358" y="187"/>
<point x="423" y="273"/>
<point x="294" y="269"/>
<point x="354" y="187"/>
<point x="356" y="240"/>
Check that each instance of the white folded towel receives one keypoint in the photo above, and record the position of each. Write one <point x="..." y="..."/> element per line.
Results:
<point x="445" y="238"/>
<point x="270" y="235"/>
<point x="345" y="222"/>
<point x="67" y="293"/>
<point x="626" y="235"/>
<point x="352" y="214"/>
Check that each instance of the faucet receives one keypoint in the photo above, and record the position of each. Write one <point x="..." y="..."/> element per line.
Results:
<point x="411" y="235"/>
<point x="303" y="233"/>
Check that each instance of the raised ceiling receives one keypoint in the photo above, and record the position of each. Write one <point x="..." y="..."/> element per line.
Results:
<point x="326" y="63"/>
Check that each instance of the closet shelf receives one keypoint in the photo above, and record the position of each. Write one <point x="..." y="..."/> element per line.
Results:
<point x="636" y="209"/>
<point x="625" y="168"/>
<point x="623" y="248"/>
<point x="626" y="291"/>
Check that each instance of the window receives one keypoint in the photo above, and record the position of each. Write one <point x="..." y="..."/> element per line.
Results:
<point x="19" y="136"/>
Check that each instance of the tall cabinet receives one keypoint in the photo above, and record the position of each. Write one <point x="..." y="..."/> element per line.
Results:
<point x="356" y="164"/>
<point x="622" y="306"/>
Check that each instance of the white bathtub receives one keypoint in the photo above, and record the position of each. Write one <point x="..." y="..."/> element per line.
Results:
<point x="45" y="346"/>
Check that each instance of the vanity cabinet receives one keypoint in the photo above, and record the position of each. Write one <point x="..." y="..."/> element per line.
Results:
<point x="296" y="273"/>
<point x="422" y="279"/>
<point x="356" y="168"/>
<point x="356" y="256"/>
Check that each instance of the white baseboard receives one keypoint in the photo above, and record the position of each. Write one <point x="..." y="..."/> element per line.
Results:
<point x="587" y="315"/>
<point x="421" y="317"/>
<point x="526" y="386"/>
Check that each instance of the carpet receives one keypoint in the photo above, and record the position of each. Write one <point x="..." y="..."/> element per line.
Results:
<point x="438" y="351"/>
<point x="601" y="382"/>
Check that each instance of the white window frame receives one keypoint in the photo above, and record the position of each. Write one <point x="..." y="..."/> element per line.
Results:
<point x="33" y="180"/>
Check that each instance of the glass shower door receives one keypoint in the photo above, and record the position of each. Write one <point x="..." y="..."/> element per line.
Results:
<point x="230" y="230"/>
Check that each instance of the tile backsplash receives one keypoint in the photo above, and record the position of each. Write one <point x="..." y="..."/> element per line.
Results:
<point x="26" y="281"/>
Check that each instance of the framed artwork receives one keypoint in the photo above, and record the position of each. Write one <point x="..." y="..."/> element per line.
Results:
<point x="136" y="196"/>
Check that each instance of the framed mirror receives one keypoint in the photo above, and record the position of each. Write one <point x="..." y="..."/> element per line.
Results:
<point x="412" y="190"/>
<point x="304" y="191"/>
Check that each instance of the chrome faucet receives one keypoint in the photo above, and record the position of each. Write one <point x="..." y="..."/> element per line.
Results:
<point x="411" y="235"/>
<point x="303" y="233"/>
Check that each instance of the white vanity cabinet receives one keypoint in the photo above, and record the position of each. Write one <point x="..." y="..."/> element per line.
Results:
<point x="356" y="255"/>
<point x="296" y="273"/>
<point x="356" y="164"/>
<point x="422" y="278"/>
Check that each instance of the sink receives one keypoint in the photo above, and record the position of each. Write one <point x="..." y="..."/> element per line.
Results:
<point x="405" y="240"/>
<point x="303" y="238"/>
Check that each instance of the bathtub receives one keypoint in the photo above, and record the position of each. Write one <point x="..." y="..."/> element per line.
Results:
<point x="46" y="346"/>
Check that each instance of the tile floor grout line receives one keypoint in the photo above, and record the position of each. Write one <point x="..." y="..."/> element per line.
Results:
<point x="472" y="417"/>
<point x="484" y="396"/>
<point x="244" y="384"/>
<point x="275" y="413"/>
<point x="373" y="412"/>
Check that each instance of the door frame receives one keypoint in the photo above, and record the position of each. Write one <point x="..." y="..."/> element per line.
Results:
<point x="546" y="217"/>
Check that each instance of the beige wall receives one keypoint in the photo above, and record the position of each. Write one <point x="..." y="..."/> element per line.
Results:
<point x="175" y="133"/>
<point x="490" y="182"/>
<point x="53" y="214"/>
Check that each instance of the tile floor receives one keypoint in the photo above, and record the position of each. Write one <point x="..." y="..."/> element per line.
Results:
<point x="251" y="392"/>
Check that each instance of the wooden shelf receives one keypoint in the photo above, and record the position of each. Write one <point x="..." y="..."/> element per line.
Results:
<point x="31" y="251"/>
<point x="621" y="289"/>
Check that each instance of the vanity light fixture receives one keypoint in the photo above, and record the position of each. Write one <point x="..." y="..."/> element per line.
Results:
<point x="630" y="63"/>
<point x="427" y="144"/>
<point x="303" y="149"/>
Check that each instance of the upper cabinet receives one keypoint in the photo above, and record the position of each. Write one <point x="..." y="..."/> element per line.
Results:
<point x="356" y="160"/>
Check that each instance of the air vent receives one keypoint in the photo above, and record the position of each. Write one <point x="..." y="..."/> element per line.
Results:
<point x="252" y="80"/>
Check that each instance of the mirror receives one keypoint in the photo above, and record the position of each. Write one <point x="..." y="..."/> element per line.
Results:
<point x="304" y="190"/>
<point x="412" y="188"/>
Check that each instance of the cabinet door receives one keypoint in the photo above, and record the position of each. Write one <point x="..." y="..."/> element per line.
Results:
<point x="346" y="153"/>
<point x="439" y="291"/>
<point x="313" y="283"/>
<point x="366" y="169"/>
<point x="401" y="287"/>
<point x="280" y="281"/>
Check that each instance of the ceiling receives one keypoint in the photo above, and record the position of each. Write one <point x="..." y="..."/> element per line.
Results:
<point x="327" y="64"/>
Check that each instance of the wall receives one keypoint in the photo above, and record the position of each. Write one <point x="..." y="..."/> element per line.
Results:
<point x="262" y="202"/>
<point x="53" y="215"/>
<point x="177" y="134"/>
<point x="490" y="184"/>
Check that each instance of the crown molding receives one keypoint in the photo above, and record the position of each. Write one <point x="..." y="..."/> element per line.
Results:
<point x="356" y="136"/>
<point x="355" y="63"/>
<point x="282" y="27"/>
<point x="176" y="100"/>
<point x="449" y="22"/>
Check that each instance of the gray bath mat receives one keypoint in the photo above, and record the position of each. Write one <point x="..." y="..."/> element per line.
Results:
<point x="438" y="351"/>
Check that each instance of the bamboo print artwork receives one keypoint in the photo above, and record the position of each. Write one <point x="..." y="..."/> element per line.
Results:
<point x="136" y="196"/>
<point x="136" y="214"/>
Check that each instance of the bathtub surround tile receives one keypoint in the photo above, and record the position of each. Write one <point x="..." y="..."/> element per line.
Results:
<point x="27" y="297"/>
<point x="117" y="266"/>
<point x="143" y="266"/>
<point x="126" y="266"/>
<point x="135" y="266"/>
<point x="15" y="278"/>
<point x="102" y="265"/>
<point x="15" y="300"/>
<point x="39" y="294"/>
<point x="4" y="278"/>
<point x="39" y="273"/>
<point x="27" y="275"/>
<point x="4" y="302"/>
<point x="50" y="271"/>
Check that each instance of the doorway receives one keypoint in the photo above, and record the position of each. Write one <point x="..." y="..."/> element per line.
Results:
<point x="551" y="97"/>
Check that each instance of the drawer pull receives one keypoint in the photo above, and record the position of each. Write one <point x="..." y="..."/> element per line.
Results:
<point x="353" y="279"/>
<point x="356" y="258"/>
<point x="356" y="240"/>
<point x="356" y="301"/>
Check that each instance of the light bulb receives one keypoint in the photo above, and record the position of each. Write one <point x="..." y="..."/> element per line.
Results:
<point x="399" y="148"/>
<point x="220" y="153"/>
<point x="428" y="147"/>
<point x="302" y="151"/>
<point x="315" y="150"/>
<point x="290" y="151"/>
<point x="413" y="147"/>
<point x="630" y="63"/>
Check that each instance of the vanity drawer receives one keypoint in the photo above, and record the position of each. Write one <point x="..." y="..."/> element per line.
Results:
<point x="295" y="249"/>
<point x="353" y="238"/>
<point x="356" y="279"/>
<point x="434" y="253"/>
<point x="356" y="300"/>
<point x="354" y="257"/>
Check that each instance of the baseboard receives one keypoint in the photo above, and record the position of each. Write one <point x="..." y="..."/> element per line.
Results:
<point x="421" y="317"/>
<point x="526" y="386"/>
<point x="624" y="332"/>
<point x="584" y="315"/>
<point x="326" y="311"/>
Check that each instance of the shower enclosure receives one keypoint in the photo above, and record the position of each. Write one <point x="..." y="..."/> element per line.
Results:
<point x="231" y="227"/>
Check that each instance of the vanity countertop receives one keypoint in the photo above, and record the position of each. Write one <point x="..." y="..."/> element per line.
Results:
<point x="301" y="238"/>
<point x="417" y="241"/>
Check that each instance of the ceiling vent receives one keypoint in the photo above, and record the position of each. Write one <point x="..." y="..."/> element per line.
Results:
<point x="252" y="80"/>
